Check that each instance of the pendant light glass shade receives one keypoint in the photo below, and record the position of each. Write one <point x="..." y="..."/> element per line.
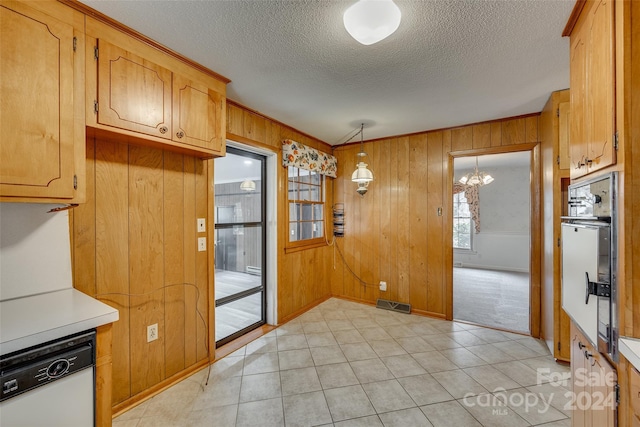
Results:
<point x="362" y="174"/>
<point x="369" y="21"/>
<point x="248" y="185"/>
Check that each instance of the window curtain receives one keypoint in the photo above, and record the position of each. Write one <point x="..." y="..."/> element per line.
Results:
<point x="303" y="157"/>
<point x="472" y="195"/>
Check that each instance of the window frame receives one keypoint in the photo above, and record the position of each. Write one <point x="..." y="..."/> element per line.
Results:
<point x="297" y="245"/>
<point x="456" y="200"/>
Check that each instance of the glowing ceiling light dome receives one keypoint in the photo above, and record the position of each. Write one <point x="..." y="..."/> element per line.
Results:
<point x="369" y="21"/>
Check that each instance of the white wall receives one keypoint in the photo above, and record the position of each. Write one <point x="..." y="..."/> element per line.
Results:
<point x="504" y="239"/>
<point x="35" y="251"/>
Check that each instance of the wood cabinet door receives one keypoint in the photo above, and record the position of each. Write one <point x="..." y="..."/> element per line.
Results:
<point x="133" y="93"/>
<point x="603" y="400"/>
<point x="197" y="114"/>
<point x="600" y="80"/>
<point x="578" y="84"/>
<point x="36" y="104"/>
<point x="578" y="416"/>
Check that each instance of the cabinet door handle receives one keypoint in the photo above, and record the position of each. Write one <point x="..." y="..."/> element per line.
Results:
<point x="180" y="134"/>
<point x="163" y="130"/>
<point x="580" y="345"/>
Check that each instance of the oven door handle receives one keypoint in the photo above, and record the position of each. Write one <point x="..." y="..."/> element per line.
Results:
<point x="599" y="289"/>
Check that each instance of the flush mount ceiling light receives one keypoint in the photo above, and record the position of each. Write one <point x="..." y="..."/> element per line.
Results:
<point x="369" y="21"/>
<point x="248" y="185"/>
<point x="362" y="176"/>
<point x="476" y="178"/>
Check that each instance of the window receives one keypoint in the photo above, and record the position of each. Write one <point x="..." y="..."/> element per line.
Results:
<point x="462" y="224"/>
<point x="306" y="207"/>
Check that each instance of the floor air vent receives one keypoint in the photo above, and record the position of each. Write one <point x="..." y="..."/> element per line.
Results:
<point x="394" y="306"/>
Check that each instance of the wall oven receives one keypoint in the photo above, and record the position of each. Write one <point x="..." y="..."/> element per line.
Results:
<point x="589" y="261"/>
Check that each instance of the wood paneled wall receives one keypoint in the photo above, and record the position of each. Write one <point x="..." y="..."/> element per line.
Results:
<point x="303" y="276"/>
<point x="395" y="232"/>
<point x="134" y="248"/>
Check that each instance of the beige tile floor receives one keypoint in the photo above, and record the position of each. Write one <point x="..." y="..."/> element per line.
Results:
<point x="347" y="364"/>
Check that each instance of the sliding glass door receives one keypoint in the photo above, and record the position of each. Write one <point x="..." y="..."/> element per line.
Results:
<point x="240" y="236"/>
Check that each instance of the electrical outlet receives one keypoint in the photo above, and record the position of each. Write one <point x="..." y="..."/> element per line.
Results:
<point x="202" y="244"/>
<point x="383" y="286"/>
<point x="202" y="225"/>
<point x="152" y="332"/>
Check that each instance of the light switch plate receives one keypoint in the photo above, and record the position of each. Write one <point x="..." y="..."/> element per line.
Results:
<point x="202" y="244"/>
<point x="202" y="223"/>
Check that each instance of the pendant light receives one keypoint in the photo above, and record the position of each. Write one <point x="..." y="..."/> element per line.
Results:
<point x="362" y="176"/>
<point x="369" y="21"/>
<point x="248" y="185"/>
<point x="476" y="177"/>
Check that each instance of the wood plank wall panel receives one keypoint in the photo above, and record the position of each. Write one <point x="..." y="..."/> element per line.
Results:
<point x="337" y="264"/>
<point x="189" y="262"/>
<point x="418" y="221"/>
<point x="435" y="242"/>
<point x="462" y="138"/>
<point x="531" y="129"/>
<point x="482" y="135"/>
<point x="370" y="244"/>
<point x="411" y="180"/>
<point x="111" y="199"/>
<point x="447" y="218"/>
<point x="135" y="249"/>
<point x="204" y="185"/>
<point x="513" y="132"/>
<point x="496" y="134"/>
<point x="174" y="294"/>
<point x="402" y="215"/>
<point x="383" y="174"/>
<point x="146" y="266"/>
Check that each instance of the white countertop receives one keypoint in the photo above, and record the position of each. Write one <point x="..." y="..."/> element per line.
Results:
<point x="630" y="349"/>
<point x="36" y="319"/>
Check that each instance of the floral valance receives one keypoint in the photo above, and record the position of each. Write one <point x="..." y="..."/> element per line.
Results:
<point x="472" y="195"/>
<point x="303" y="157"/>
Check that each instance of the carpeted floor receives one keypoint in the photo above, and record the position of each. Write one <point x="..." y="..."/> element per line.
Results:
<point x="492" y="298"/>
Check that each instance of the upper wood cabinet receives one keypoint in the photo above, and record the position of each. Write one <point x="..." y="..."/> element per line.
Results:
<point x="42" y="143"/>
<point x="197" y="112"/>
<point x="142" y="92"/>
<point x="133" y="93"/>
<point x="592" y="81"/>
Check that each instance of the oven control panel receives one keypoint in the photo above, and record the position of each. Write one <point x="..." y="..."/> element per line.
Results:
<point x="39" y="366"/>
<point x="591" y="199"/>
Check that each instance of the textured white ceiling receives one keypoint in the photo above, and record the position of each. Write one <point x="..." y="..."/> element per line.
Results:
<point x="450" y="62"/>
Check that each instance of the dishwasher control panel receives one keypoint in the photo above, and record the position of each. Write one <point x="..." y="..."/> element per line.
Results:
<point x="27" y="369"/>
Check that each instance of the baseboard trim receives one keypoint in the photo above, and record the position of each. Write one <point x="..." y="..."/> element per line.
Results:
<point x="303" y="310"/>
<point x="491" y="267"/>
<point x="147" y="394"/>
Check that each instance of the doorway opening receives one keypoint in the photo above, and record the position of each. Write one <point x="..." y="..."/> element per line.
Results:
<point x="492" y="242"/>
<point x="240" y="243"/>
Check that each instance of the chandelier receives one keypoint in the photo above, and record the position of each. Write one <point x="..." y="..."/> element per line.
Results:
<point x="476" y="177"/>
